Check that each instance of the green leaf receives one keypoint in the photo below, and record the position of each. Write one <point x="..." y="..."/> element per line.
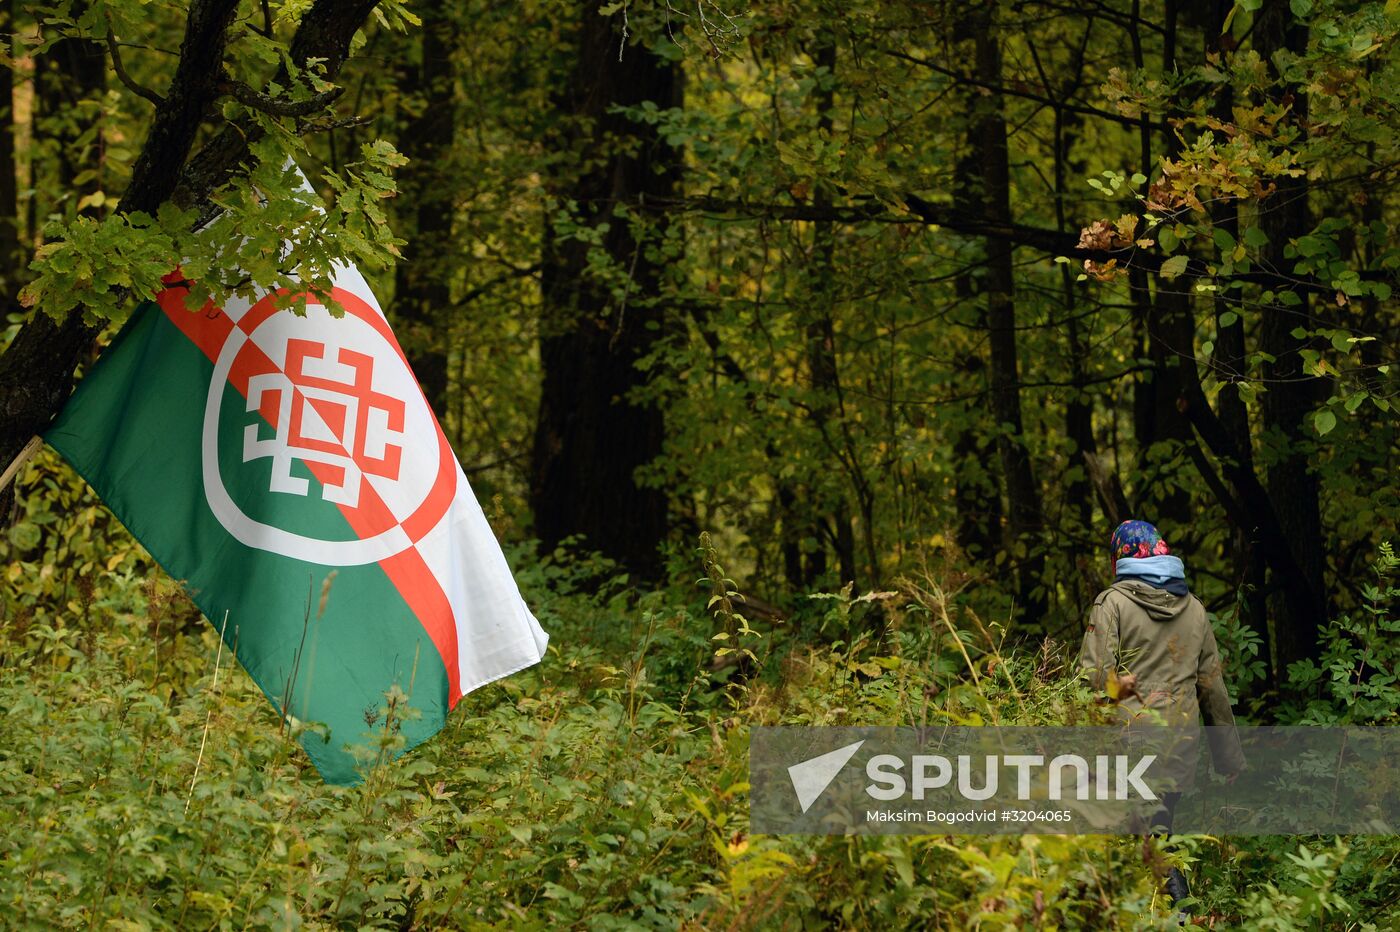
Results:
<point x="1173" y="267"/>
<point x="1324" y="421"/>
<point x="25" y="536"/>
<point x="1227" y="319"/>
<point x="1310" y="245"/>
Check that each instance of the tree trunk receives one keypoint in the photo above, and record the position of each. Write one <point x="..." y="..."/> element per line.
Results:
<point x="1147" y="388"/>
<point x="1228" y="363"/>
<point x="422" y="290"/>
<point x="1171" y="331"/>
<point x="1079" y="412"/>
<point x="976" y="490"/>
<point x="1023" y="494"/>
<point x="790" y="529"/>
<point x="821" y="332"/>
<point x="593" y="435"/>
<point x="1290" y="396"/>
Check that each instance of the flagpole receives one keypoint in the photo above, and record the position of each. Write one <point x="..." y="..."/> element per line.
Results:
<point x="13" y="469"/>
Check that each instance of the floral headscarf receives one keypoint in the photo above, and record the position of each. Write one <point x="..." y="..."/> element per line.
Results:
<point x="1134" y="539"/>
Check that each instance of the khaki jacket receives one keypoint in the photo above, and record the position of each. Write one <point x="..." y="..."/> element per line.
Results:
<point x="1167" y="642"/>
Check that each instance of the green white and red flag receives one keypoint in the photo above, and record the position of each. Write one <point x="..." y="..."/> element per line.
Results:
<point x="253" y="451"/>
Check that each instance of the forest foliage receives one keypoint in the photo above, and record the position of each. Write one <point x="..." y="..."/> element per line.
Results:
<point x="145" y="787"/>
<point x="902" y="305"/>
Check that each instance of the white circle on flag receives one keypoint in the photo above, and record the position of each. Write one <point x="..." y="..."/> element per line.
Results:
<point x="336" y="398"/>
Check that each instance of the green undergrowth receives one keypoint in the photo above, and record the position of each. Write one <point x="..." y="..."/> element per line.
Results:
<point x="604" y="789"/>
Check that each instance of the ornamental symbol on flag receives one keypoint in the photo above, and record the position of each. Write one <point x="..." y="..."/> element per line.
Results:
<point x="336" y="419"/>
<point x="332" y="401"/>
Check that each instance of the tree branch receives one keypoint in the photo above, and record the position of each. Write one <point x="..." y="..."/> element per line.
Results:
<point x="143" y="92"/>
<point x="277" y="106"/>
<point x="325" y="126"/>
<point x="193" y="90"/>
<point x="863" y="209"/>
<point x="1024" y="94"/>
<point x="324" y="36"/>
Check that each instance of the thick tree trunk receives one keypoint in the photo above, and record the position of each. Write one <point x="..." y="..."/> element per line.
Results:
<point x="1147" y="388"/>
<point x="592" y="435"/>
<point x="1171" y="331"/>
<point x="422" y="292"/>
<point x="1023" y="494"/>
<point x="1290" y="396"/>
<point x="824" y="376"/>
<point x="976" y="489"/>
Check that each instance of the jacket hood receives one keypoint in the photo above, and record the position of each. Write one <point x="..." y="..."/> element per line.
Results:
<point x="1159" y="604"/>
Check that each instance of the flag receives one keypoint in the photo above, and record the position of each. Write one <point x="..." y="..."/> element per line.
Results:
<point x="254" y="452"/>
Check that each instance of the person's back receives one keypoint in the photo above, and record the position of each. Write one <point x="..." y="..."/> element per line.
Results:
<point x="1164" y="639"/>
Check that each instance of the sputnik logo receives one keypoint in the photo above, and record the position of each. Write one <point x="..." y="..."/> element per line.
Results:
<point x="811" y="777"/>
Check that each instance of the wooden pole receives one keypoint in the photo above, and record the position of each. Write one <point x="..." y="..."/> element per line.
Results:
<point x="28" y="450"/>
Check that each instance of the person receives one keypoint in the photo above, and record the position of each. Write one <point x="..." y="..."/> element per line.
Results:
<point x="1149" y="645"/>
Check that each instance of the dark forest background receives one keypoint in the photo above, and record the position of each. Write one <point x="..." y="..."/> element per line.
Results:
<point x="853" y="287"/>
